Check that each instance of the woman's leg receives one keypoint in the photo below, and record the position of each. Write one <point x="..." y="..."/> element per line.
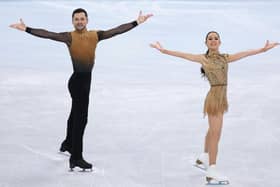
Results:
<point x="213" y="136"/>
<point x="206" y="146"/>
<point x="213" y="176"/>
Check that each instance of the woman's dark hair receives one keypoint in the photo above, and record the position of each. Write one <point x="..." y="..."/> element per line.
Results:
<point x="210" y="33"/>
<point x="79" y="10"/>
<point x="201" y="69"/>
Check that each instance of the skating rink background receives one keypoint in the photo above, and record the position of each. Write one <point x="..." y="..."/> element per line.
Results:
<point x="145" y="124"/>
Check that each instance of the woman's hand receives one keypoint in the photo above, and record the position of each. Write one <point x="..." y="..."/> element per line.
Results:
<point x="157" y="46"/>
<point x="269" y="46"/>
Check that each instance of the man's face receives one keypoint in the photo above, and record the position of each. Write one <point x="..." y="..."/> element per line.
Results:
<point x="79" y="21"/>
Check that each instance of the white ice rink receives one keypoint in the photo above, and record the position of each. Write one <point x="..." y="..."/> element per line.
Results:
<point x="145" y="118"/>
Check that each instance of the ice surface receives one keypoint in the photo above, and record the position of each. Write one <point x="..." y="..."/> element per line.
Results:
<point x="145" y="117"/>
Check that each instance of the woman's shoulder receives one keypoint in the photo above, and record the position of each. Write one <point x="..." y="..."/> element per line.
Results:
<point x="225" y="55"/>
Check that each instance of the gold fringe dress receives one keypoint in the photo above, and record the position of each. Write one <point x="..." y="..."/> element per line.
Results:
<point x="215" y="66"/>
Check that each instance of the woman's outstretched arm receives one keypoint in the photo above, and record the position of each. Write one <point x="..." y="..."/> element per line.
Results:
<point x="187" y="56"/>
<point x="243" y="54"/>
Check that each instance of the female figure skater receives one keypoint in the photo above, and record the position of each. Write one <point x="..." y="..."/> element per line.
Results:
<point x="215" y="68"/>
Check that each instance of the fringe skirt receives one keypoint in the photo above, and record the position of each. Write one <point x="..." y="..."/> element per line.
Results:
<point x="216" y="101"/>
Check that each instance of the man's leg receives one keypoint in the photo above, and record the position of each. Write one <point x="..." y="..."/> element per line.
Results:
<point x="80" y="95"/>
<point x="80" y="113"/>
<point x="67" y="143"/>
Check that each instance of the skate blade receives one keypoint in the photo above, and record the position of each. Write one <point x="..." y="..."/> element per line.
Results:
<point x="82" y="170"/>
<point x="215" y="182"/>
<point x="64" y="153"/>
<point x="200" y="166"/>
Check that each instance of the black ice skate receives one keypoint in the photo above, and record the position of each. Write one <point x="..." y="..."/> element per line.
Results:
<point x="81" y="163"/>
<point x="65" y="148"/>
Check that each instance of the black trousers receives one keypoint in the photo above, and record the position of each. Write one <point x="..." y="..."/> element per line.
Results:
<point x="79" y="88"/>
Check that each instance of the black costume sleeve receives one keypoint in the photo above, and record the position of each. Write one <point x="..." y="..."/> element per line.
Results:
<point x="64" y="37"/>
<point x="102" y="35"/>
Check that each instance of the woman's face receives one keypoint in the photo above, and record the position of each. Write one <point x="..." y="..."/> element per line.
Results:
<point x="213" y="41"/>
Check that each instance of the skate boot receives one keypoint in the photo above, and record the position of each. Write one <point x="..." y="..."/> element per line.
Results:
<point x="213" y="177"/>
<point x="202" y="161"/>
<point x="65" y="147"/>
<point x="81" y="163"/>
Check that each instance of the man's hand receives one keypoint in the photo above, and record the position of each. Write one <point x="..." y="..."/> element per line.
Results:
<point x="142" y="18"/>
<point x="19" y="26"/>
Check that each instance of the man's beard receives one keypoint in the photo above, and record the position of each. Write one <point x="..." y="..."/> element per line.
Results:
<point x="80" y="27"/>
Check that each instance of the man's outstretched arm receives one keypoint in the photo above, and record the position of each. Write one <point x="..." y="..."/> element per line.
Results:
<point x="102" y="35"/>
<point x="61" y="37"/>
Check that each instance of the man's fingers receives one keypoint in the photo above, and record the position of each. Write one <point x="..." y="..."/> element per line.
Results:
<point x="144" y="17"/>
<point x="13" y="26"/>
<point x="140" y="13"/>
<point x="149" y="15"/>
<point x="21" y="21"/>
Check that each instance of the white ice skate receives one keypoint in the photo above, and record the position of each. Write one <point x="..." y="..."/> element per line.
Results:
<point x="213" y="177"/>
<point x="202" y="161"/>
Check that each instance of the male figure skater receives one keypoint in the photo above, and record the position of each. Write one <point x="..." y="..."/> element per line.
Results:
<point x="81" y="44"/>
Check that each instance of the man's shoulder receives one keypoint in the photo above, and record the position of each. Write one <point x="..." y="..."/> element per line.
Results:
<point x="92" y="31"/>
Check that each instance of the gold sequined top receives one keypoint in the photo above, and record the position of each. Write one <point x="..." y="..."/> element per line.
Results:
<point x="215" y="66"/>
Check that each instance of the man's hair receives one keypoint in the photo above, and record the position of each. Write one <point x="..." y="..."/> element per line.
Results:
<point x="79" y="10"/>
